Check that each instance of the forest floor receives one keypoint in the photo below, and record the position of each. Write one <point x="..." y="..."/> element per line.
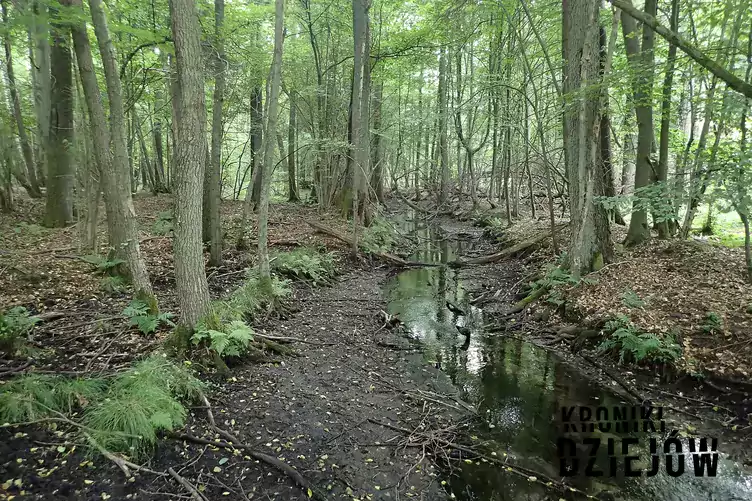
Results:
<point x="325" y="410"/>
<point x="331" y="408"/>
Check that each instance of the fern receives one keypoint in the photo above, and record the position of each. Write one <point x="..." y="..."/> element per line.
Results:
<point x="305" y="263"/>
<point x="378" y="237"/>
<point x="712" y="324"/>
<point x="112" y="284"/>
<point x="15" y="325"/>
<point x="640" y="347"/>
<point x="631" y="300"/>
<point x="102" y="264"/>
<point x="232" y="341"/>
<point x="163" y="225"/>
<point x="140" y="316"/>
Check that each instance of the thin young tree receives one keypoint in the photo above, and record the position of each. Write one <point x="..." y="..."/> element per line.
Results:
<point x="213" y="176"/>
<point x="275" y="79"/>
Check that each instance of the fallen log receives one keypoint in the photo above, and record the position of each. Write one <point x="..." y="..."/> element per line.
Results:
<point x="391" y="258"/>
<point x="508" y="252"/>
<point x="413" y="205"/>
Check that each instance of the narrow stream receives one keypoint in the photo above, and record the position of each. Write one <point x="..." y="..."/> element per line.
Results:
<point x="519" y="390"/>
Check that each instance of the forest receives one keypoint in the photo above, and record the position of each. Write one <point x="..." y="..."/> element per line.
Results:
<point x="367" y="249"/>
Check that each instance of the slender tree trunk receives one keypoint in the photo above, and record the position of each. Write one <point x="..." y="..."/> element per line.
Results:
<point x="213" y="176"/>
<point x="23" y="137"/>
<point x="377" y="161"/>
<point x="39" y="55"/>
<point x="275" y="77"/>
<point x="254" y="183"/>
<point x="190" y="153"/>
<point x="641" y="59"/>
<point x="61" y="172"/>
<point x="443" y="140"/>
<point x="121" y="216"/>
<point x="292" y="185"/>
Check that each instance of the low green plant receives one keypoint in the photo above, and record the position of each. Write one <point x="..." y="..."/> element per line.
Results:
<point x="254" y="296"/>
<point x="230" y="340"/>
<point x="379" y="237"/>
<point x="630" y="299"/>
<point x="141" y="402"/>
<point x="555" y="275"/>
<point x="141" y="316"/>
<point x="306" y="263"/>
<point x="112" y="284"/>
<point x="164" y="223"/>
<point x="712" y="323"/>
<point x="632" y="344"/>
<point x="15" y="326"/>
<point x="123" y="414"/>
<point x="31" y="229"/>
<point x="102" y="264"/>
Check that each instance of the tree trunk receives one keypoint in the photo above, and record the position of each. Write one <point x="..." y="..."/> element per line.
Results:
<point x="213" y="178"/>
<point x="61" y="175"/>
<point x="641" y="60"/>
<point x="23" y="137"/>
<point x="275" y="77"/>
<point x="591" y="243"/>
<point x="41" y="78"/>
<point x="443" y="140"/>
<point x="190" y="153"/>
<point x="121" y="216"/>
<point x="292" y="186"/>
<point x="377" y="162"/>
<point x="253" y="190"/>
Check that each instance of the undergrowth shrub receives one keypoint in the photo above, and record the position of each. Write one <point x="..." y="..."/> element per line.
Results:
<point x="631" y="344"/>
<point x="380" y="236"/>
<point x="102" y="264"/>
<point x="32" y="229"/>
<point x="253" y="296"/>
<point x="226" y="340"/>
<point x="631" y="299"/>
<point x="140" y="315"/>
<point x="15" y="326"/>
<point x="112" y="284"/>
<point x="163" y="225"/>
<point x="555" y="277"/>
<point x="712" y="323"/>
<point x="306" y="263"/>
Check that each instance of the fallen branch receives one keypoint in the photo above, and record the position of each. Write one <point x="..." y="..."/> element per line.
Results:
<point x="391" y="258"/>
<point x="234" y="442"/>
<point x="195" y="494"/>
<point x="508" y="252"/>
<point x="290" y="339"/>
<point x="637" y="398"/>
<point x="412" y="205"/>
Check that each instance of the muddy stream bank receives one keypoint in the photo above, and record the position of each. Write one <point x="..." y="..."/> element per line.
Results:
<point x="520" y="388"/>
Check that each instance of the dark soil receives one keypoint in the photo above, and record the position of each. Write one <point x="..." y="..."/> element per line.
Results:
<point x="316" y="410"/>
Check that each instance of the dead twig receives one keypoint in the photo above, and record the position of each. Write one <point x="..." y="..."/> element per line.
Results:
<point x="195" y="494"/>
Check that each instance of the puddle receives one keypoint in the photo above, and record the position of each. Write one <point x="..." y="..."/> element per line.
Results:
<point x="519" y="390"/>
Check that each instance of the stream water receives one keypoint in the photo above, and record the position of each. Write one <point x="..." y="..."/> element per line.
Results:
<point x="519" y="390"/>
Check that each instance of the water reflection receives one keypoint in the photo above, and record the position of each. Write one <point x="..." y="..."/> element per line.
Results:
<point x="519" y="390"/>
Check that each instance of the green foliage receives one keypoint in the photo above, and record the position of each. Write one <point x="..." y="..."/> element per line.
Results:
<point x="141" y="402"/>
<point x="164" y="223"/>
<point x="630" y="299"/>
<point x="254" y="296"/>
<point x="306" y="263"/>
<point x="555" y="275"/>
<point x="656" y="198"/>
<point x="112" y="284"/>
<point x="30" y="229"/>
<point x="15" y="326"/>
<point x="379" y="237"/>
<point x="231" y="341"/>
<point x="712" y="323"/>
<point x="27" y="398"/>
<point x="139" y="314"/>
<point x="631" y="344"/>
<point x="102" y="264"/>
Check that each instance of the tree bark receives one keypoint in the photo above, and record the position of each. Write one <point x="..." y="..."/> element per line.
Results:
<point x="641" y="60"/>
<point x="292" y="182"/>
<point x="590" y="245"/>
<point x="275" y="77"/>
<point x="443" y="140"/>
<point x="213" y="178"/>
<point x="115" y="173"/>
<point x="39" y="55"/>
<point x="23" y="137"/>
<point x="61" y="177"/>
<point x="190" y="153"/>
